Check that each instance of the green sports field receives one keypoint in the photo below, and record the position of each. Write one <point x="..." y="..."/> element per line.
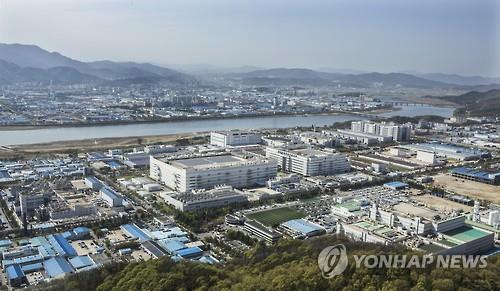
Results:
<point x="275" y="216"/>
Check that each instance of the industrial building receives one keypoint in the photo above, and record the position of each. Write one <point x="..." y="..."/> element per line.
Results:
<point x="396" y="132"/>
<point x="94" y="183"/>
<point x="234" y="138"/>
<point x="448" y="151"/>
<point x="364" y="138"/>
<point x="262" y="232"/>
<point x="476" y="175"/>
<point x="112" y="198"/>
<point x="301" y="228"/>
<point x="463" y="240"/>
<point x="369" y="231"/>
<point x="15" y="275"/>
<point x="201" y="199"/>
<point x="31" y="201"/>
<point x="188" y="174"/>
<point x="309" y="162"/>
<point x="135" y="232"/>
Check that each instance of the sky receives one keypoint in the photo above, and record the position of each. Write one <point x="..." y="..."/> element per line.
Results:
<point x="449" y="36"/>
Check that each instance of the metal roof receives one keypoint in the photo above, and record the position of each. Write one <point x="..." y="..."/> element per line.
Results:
<point x="134" y="231"/>
<point x="188" y="252"/>
<point x="81" y="262"/>
<point x="14" y="272"/>
<point x="302" y="226"/>
<point x="57" y="266"/>
<point x="61" y="245"/>
<point x="396" y="184"/>
<point x="173" y="246"/>
<point x="32" y="267"/>
<point x="153" y="248"/>
<point x="81" y="230"/>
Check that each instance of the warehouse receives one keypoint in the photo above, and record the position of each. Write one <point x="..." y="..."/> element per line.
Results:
<point x="476" y="175"/>
<point x="135" y="232"/>
<point x="153" y="249"/>
<point x="206" y="172"/>
<point x="15" y="275"/>
<point x="300" y="228"/>
<point x="57" y="267"/>
<point x="449" y="151"/>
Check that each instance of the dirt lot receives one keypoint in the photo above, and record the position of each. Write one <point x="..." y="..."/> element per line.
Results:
<point x="414" y="210"/>
<point x="474" y="190"/>
<point x="441" y="204"/>
<point x="86" y="145"/>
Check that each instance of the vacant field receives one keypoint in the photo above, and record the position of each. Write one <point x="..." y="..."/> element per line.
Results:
<point x="414" y="210"/>
<point x="474" y="190"/>
<point x="441" y="204"/>
<point x="275" y="216"/>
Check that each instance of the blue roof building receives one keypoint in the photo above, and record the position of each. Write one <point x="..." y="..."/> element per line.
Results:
<point x="57" y="267"/>
<point x="15" y="275"/>
<point x="135" y="232"/>
<point x="5" y="243"/>
<point x="476" y="175"/>
<point x="299" y="228"/>
<point x="32" y="267"/>
<point x="61" y="245"/>
<point x="396" y="185"/>
<point x="81" y="232"/>
<point x="81" y="262"/>
<point x="172" y="246"/>
<point x="190" y="252"/>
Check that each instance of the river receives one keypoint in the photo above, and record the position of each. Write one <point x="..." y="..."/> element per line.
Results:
<point x="52" y="134"/>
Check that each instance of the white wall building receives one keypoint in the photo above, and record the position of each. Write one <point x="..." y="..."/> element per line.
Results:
<point x="309" y="162"/>
<point x="112" y="198"/>
<point x="397" y="132"/>
<point x="206" y="172"/>
<point x="234" y="138"/>
<point x="427" y="157"/>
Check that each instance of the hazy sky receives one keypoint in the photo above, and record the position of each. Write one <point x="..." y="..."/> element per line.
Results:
<point x="454" y="36"/>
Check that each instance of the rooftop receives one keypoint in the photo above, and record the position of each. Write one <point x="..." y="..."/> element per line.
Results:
<point x="465" y="234"/>
<point x="302" y="226"/>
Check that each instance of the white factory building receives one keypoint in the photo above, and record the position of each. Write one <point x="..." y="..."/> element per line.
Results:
<point x="234" y="138"/>
<point x="205" y="172"/>
<point x="111" y="197"/>
<point x="397" y="132"/>
<point x="309" y="162"/>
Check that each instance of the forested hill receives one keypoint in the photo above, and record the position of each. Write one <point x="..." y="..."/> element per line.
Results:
<point x="290" y="265"/>
<point x="478" y="103"/>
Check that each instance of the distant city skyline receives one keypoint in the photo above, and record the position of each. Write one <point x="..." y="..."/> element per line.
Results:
<point x="446" y="36"/>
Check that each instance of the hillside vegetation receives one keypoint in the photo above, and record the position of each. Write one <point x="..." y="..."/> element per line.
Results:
<point x="478" y="103"/>
<point x="289" y="265"/>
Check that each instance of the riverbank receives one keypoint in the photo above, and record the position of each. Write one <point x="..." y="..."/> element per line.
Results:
<point x="186" y="119"/>
<point x="86" y="145"/>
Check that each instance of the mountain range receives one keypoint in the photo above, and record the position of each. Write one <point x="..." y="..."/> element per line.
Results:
<point x="31" y="64"/>
<point x="478" y="103"/>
